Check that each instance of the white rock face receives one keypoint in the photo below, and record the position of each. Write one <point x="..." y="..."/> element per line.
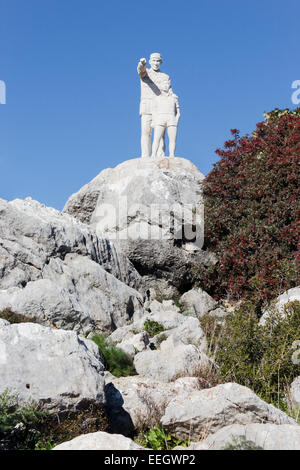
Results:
<point x="56" y="269"/>
<point x="140" y="204"/>
<point x="140" y="402"/>
<point x="174" y="359"/>
<point x="198" y="302"/>
<point x="265" y="436"/>
<point x="178" y="351"/>
<point x="200" y="413"/>
<point x="295" y="393"/>
<point x="55" y="368"/>
<point x="290" y="295"/>
<point x="99" y="441"/>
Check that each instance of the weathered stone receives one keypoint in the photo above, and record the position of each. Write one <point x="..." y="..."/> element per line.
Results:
<point x="55" y="368"/>
<point x="198" y="302"/>
<point x="264" y="436"/>
<point x="135" y="344"/>
<point x="203" y="412"/>
<point x="174" y="359"/>
<point x="56" y="269"/>
<point x="120" y="202"/>
<point x="183" y="330"/>
<point x="3" y="322"/>
<point x="135" y="403"/>
<point x="99" y="441"/>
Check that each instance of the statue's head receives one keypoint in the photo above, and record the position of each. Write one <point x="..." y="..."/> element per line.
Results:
<point x="155" y="61"/>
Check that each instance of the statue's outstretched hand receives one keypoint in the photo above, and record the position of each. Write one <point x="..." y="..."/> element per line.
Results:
<point x="143" y="61"/>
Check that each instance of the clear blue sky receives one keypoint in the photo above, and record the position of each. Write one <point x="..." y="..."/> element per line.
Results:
<point x="73" y="90"/>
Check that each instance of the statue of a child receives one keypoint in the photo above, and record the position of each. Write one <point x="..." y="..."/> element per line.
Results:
<point x="166" y="114"/>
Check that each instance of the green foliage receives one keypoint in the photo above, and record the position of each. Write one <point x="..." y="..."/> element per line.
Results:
<point x="251" y="211"/>
<point x="153" y="328"/>
<point x="260" y="357"/>
<point x="13" y="317"/>
<point x="11" y="414"/>
<point x="240" y="443"/>
<point x="159" y="439"/>
<point x="18" y="423"/>
<point x="45" y="445"/>
<point x="116" y="360"/>
<point x="27" y="428"/>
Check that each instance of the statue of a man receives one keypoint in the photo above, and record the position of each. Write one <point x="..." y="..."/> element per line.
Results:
<point x="151" y="84"/>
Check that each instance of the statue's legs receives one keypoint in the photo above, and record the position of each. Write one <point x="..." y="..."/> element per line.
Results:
<point x="172" y="133"/>
<point x="162" y="146"/>
<point x="158" y="137"/>
<point x="146" y="120"/>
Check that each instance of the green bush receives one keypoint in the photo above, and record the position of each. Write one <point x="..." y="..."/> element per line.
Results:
<point x="251" y="211"/>
<point x="159" y="439"/>
<point x="116" y="360"/>
<point x="153" y="328"/>
<point x="26" y="417"/>
<point x="240" y="443"/>
<point x="260" y="357"/>
<point x="28" y="428"/>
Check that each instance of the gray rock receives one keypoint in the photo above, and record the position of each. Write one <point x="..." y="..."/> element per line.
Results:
<point x="99" y="441"/>
<point x="3" y="322"/>
<point x="198" y="302"/>
<point x="56" y="269"/>
<point x="135" y="344"/>
<point x="282" y="300"/>
<point x="183" y="330"/>
<point x="295" y="393"/>
<point x="137" y="191"/>
<point x="200" y="413"/>
<point x="55" y="368"/>
<point x="174" y="359"/>
<point x="137" y="403"/>
<point x="264" y="436"/>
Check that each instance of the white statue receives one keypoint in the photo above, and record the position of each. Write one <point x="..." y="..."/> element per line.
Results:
<point x="151" y="83"/>
<point x="165" y="115"/>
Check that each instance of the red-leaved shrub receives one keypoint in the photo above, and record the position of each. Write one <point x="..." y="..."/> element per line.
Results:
<point x="252" y="210"/>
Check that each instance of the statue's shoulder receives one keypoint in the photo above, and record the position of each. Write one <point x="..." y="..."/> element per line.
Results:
<point x="164" y="75"/>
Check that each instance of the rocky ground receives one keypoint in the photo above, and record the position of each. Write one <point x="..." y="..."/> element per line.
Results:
<point x="68" y="277"/>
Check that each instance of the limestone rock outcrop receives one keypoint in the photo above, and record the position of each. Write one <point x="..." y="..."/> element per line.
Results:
<point x="135" y="403"/>
<point x="56" y="269"/>
<point x="144" y="205"/>
<point x="203" y="412"/>
<point x="99" y="441"/>
<point x="56" y="369"/>
<point x="255" y="435"/>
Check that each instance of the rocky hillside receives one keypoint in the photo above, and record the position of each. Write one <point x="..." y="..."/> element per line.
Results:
<point x="105" y="339"/>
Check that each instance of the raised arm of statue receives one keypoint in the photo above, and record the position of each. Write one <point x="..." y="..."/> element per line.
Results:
<point x="141" y="68"/>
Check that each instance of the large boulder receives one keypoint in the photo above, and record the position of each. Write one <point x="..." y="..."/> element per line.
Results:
<point x="183" y="329"/>
<point x="99" y="441"/>
<point x="254" y="436"/>
<point x="137" y="403"/>
<point x="198" y="302"/>
<point x="200" y="413"/>
<point x="174" y="359"/>
<point x="56" y="269"/>
<point x="57" y="369"/>
<point x="152" y="210"/>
